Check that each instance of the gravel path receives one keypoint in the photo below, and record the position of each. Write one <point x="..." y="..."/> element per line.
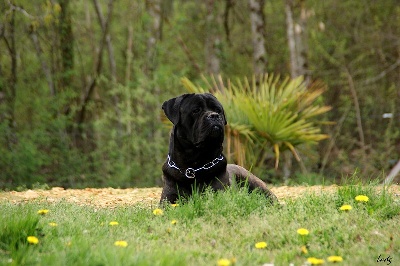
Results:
<point x="111" y="197"/>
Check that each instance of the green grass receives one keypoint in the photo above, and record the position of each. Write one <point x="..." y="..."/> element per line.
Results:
<point x="209" y="227"/>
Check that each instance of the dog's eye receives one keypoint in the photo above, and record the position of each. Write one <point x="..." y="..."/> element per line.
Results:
<point x="196" y="111"/>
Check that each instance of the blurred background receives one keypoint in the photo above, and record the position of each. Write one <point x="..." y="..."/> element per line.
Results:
<point x="82" y="83"/>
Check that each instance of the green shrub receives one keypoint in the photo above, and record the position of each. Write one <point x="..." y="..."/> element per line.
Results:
<point x="267" y="113"/>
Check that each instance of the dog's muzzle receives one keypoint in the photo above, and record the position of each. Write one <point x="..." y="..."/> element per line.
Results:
<point x="215" y="121"/>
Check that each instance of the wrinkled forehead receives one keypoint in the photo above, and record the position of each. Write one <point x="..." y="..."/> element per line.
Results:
<point x="205" y="101"/>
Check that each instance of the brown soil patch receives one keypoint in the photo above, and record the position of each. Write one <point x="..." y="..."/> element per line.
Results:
<point x="111" y="197"/>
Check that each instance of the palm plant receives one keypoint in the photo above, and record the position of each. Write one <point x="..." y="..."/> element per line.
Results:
<point x="266" y="112"/>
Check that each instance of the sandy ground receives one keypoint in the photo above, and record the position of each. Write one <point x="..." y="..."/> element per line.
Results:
<point x="111" y="197"/>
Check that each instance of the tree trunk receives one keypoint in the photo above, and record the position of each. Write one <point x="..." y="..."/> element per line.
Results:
<point x="155" y="12"/>
<point x="113" y="65"/>
<point x="291" y="38"/>
<point x="301" y="43"/>
<point x="66" y="44"/>
<point x="45" y="68"/>
<point x="296" y="23"/>
<point x="98" y="68"/>
<point x="258" y="40"/>
<point x="10" y="89"/>
<point x="229" y="4"/>
<point x="213" y="40"/>
<point x="129" y="55"/>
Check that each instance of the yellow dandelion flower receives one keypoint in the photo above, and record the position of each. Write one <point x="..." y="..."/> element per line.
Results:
<point x="173" y="222"/>
<point x="158" y="212"/>
<point x="260" y="245"/>
<point x="315" y="261"/>
<point x="33" y="240"/>
<point x="335" y="259"/>
<point x="42" y="212"/>
<point x="345" y="208"/>
<point x="302" y="231"/>
<point x="121" y="243"/>
<point x="112" y="223"/>
<point x="174" y="205"/>
<point x="304" y="250"/>
<point x="362" y="198"/>
<point x="223" y="262"/>
<point x="53" y="224"/>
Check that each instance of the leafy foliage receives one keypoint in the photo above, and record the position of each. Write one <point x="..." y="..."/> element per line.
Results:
<point x="267" y="111"/>
<point x="51" y="57"/>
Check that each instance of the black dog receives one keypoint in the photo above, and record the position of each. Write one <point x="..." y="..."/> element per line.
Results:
<point x="195" y="156"/>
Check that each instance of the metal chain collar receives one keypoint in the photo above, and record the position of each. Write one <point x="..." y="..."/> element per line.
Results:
<point x="190" y="172"/>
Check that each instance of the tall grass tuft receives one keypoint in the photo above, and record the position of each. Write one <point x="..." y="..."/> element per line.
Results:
<point x="16" y="225"/>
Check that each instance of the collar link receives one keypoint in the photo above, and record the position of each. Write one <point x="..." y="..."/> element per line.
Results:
<point x="190" y="172"/>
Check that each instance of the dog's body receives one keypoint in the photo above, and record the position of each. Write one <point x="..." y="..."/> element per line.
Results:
<point x="195" y="152"/>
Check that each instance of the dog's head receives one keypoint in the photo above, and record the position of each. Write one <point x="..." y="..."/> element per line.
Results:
<point x="198" y="118"/>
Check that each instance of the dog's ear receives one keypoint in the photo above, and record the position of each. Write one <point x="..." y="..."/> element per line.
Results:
<point x="172" y="106"/>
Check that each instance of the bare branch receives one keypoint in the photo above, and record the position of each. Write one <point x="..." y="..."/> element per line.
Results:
<point x="19" y="9"/>
<point x="395" y="170"/>
<point x="358" y="113"/>
<point x="383" y="73"/>
<point x="111" y="57"/>
<point x="188" y="54"/>
<point x="92" y="85"/>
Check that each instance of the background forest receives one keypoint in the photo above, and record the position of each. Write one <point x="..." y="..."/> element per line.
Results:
<point x="82" y="82"/>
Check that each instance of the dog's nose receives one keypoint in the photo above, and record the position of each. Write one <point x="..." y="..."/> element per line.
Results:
<point x="213" y="116"/>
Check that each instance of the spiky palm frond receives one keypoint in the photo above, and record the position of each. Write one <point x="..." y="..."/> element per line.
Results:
<point x="267" y="110"/>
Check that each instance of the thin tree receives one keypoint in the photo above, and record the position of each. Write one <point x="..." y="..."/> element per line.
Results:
<point x="98" y="67"/>
<point x="45" y="68"/>
<point x="66" y="44"/>
<point x="10" y="89"/>
<point x="296" y="29"/>
<point x="213" y="40"/>
<point x="112" y="62"/>
<point x="154" y="29"/>
<point x="258" y="40"/>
